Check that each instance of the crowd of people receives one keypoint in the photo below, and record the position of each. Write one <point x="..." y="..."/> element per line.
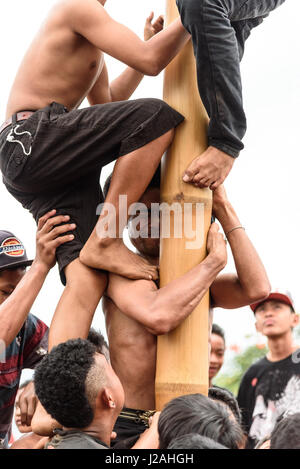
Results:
<point x="88" y="393"/>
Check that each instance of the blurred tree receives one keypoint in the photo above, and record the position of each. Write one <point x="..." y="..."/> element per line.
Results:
<point x="238" y="366"/>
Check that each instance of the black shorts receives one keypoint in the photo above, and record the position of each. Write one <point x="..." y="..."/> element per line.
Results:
<point x="129" y="428"/>
<point x="53" y="159"/>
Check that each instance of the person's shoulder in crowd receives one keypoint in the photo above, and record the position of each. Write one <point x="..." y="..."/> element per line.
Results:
<point x="74" y="439"/>
<point x="35" y="336"/>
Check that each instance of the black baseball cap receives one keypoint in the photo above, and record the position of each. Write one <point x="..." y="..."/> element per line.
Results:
<point x="12" y="252"/>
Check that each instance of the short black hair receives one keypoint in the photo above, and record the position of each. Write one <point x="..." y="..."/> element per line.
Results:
<point x="194" y="441"/>
<point x="196" y="413"/>
<point x="9" y="269"/>
<point x="96" y="338"/>
<point x="286" y="433"/>
<point x="218" y="331"/>
<point x="224" y="395"/>
<point x="154" y="183"/>
<point x="60" y="382"/>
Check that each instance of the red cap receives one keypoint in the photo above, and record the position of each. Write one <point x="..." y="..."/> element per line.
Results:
<point x="277" y="295"/>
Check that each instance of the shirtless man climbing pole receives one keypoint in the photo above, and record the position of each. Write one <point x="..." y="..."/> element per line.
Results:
<point x="136" y="311"/>
<point x="51" y="152"/>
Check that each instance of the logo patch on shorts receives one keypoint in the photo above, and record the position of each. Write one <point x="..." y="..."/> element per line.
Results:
<point x="12" y="247"/>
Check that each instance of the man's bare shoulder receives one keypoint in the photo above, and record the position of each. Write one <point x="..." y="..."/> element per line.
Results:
<point x="75" y="13"/>
<point x="73" y="10"/>
<point x="74" y="5"/>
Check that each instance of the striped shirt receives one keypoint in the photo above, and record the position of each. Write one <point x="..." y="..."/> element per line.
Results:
<point x="25" y="351"/>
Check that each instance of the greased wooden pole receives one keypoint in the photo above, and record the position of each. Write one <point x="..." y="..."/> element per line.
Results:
<point x="182" y="355"/>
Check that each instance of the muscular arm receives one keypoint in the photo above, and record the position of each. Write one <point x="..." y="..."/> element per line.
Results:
<point x="251" y="282"/>
<point x="125" y="84"/>
<point x="15" y="309"/>
<point x="161" y="310"/>
<point x="90" y="20"/>
<point x="119" y="89"/>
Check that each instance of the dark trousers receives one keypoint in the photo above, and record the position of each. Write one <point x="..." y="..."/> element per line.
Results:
<point x="219" y="29"/>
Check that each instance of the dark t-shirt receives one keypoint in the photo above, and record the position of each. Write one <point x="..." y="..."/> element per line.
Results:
<point x="268" y="390"/>
<point x="74" y="439"/>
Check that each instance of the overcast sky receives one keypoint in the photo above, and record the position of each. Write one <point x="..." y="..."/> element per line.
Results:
<point x="264" y="183"/>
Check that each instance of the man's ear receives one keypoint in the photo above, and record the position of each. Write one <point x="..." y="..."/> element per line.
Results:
<point x="107" y="399"/>
<point x="295" y="320"/>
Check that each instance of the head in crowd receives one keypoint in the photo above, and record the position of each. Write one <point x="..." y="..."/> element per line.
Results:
<point x="217" y="351"/>
<point x="196" y="413"/>
<point x="224" y="396"/>
<point x="13" y="263"/>
<point x="23" y="428"/>
<point x="143" y="228"/>
<point x="194" y="441"/>
<point x="76" y="385"/>
<point x="275" y="316"/>
<point x="286" y="433"/>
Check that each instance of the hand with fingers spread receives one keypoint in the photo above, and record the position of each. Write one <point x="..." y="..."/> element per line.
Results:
<point x="153" y="27"/>
<point x="216" y="245"/>
<point x="52" y="232"/>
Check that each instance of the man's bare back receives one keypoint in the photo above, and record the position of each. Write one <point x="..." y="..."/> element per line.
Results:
<point x="60" y="66"/>
<point x="65" y="59"/>
<point x="133" y="356"/>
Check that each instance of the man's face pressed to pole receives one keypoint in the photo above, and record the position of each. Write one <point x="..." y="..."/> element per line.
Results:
<point x="148" y="223"/>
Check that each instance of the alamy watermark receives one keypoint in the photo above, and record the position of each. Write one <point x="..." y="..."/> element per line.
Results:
<point x="161" y="219"/>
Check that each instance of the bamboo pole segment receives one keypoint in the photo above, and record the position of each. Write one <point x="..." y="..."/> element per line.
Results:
<point x="182" y="355"/>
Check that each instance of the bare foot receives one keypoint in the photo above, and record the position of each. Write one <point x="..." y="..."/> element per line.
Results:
<point x="210" y="169"/>
<point x="112" y="255"/>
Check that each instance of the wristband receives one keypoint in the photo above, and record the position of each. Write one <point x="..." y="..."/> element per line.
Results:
<point x="236" y="228"/>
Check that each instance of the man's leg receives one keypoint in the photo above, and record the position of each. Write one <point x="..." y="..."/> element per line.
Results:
<point x="77" y="305"/>
<point x="131" y="176"/>
<point x="217" y="55"/>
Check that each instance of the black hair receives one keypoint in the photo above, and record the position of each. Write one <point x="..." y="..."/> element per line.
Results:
<point x="96" y="338"/>
<point x="10" y="269"/>
<point x="154" y="183"/>
<point x="224" y="395"/>
<point x="194" y="441"/>
<point x="60" y="382"/>
<point x="218" y="331"/>
<point x="286" y="433"/>
<point x="125" y="443"/>
<point x="196" y="413"/>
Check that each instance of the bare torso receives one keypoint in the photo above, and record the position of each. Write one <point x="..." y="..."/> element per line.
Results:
<point x="133" y="356"/>
<point x="59" y="65"/>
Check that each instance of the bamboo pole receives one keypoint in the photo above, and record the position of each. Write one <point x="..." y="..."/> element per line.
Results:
<point x="182" y="355"/>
